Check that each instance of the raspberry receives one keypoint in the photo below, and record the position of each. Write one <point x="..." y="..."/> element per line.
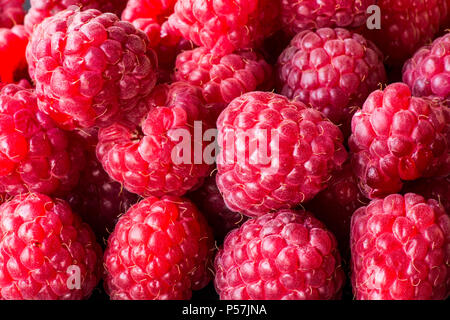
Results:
<point x="428" y="72"/>
<point x="223" y="78"/>
<point x="400" y="249"/>
<point x="210" y="202"/>
<point x="89" y="67"/>
<point x="405" y="26"/>
<point x="284" y="255"/>
<point x="297" y="15"/>
<point x="225" y="26"/>
<point x="41" y="9"/>
<point x="35" y="155"/>
<point x="397" y="137"/>
<point x="332" y="70"/>
<point x="160" y="249"/>
<point x="274" y="153"/>
<point x="148" y="159"/>
<point x="13" y="43"/>
<point x="43" y="245"/>
<point x="11" y="13"/>
<point x="432" y="188"/>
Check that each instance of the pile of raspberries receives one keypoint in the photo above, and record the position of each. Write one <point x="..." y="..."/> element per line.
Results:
<point x="267" y="149"/>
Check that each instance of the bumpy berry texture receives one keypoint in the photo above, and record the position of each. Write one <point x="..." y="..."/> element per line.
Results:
<point x="297" y="16"/>
<point x="11" y="13"/>
<point x="160" y="249"/>
<point x="210" y="202"/>
<point x="13" y="43"/>
<point x="397" y="137"/>
<point x="428" y="72"/>
<point x="35" y="155"/>
<point x="274" y="153"/>
<point x="43" y="244"/>
<point x="223" y="78"/>
<point x="432" y="188"/>
<point x="89" y="67"/>
<point x="161" y="155"/>
<point x="225" y="26"/>
<point x="406" y="26"/>
<point x="332" y="70"/>
<point x="278" y="256"/>
<point x="400" y="249"/>
<point x="41" y="9"/>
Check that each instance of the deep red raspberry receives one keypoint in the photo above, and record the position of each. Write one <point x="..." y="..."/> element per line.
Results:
<point x="44" y="250"/>
<point x="35" y="155"/>
<point x="428" y="72"/>
<point x="13" y="43"/>
<point x="297" y="15"/>
<point x="400" y="249"/>
<point x="284" y="255"/>
<point x="274" y="153"/>
<point x="397" y="137"/>
<point x="89" y="67"/>
<point x="160" y="249"/>
<point x="11" y="13"/>
<point x="210" y="202"/>
<point x="161" y="155"/>
<point x="432" y="188"/>
<point x="223" y="78"/>
<point x="332" y="70"/>
<point x="225" y="26"/>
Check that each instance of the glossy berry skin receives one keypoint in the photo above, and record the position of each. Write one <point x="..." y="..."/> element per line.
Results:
<point x="223" y="78"/>
<point x="43" y="247"/>
<point x="11" y="13"/>
<point x="13" y="43"/>
<point x="428" y="72"/>
<point x="294" y="151"/>
<point x="400" y="249"/>
<point x="396" y="137"/>
<point x="288" y="255"/>
<point x="35" y="155"/>
<point x="332" y="70"/>
<point x="147" y="159"/>
<point x="210" y="202"/>
<point x="432" y="188"/>
<point x="225" y="26"/>
<point x="297" y="16"/>
<point x="89" y="67"/>
<point x="161" y="249"/>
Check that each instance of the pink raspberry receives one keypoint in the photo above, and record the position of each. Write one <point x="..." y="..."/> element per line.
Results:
<point x="210" y="202"/>
<point x="284" y="255"/>
<point x="11" y="13"/>
<point x="332" y="70"/>
<point x="89" y="67"/>
<point x="160" y="249"/>
<point x="43" y="247"/>
<point x="274" y="153"/>
<point x="223" y="78"/>
<point x="225" y="26"/>
<point x="297" y="15"/>
<point x="13" y="43"/>
<point x="149" y="159"/>
<point x="432" y="188"/>
<point x="397" y="137"/>
<point x="400" y="249"/>
<point x="35" y="155"/>
<point x="428" y="72"/>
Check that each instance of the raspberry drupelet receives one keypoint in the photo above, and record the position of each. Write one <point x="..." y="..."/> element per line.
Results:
<point x="11" y="13"/>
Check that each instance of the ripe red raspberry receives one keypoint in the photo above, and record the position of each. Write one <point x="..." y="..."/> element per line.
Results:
<point x="297" y="15"/>
<point x="428" y="72"/>
<point x="35" y="155"/>
<point x="405" y="26"/>
<point x="278" y="256"/>
<point x="11" y="13"/>
<point x="159" y="156"/>
<point x="44" y="250"/>
<point x="13" y="43"/>
<point x="210" y="202"/>
<point x="223" y="78"/>
<point x="225" y="26"/>
<point x="400" y="249"/>
<point x="89" y="67"/>
<point x="274" y="153"/>
<point x="432" y="188"/>
<point x="397" y="137"/>
<point x="332" y="70"/>
<point x="160" y="249"/>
